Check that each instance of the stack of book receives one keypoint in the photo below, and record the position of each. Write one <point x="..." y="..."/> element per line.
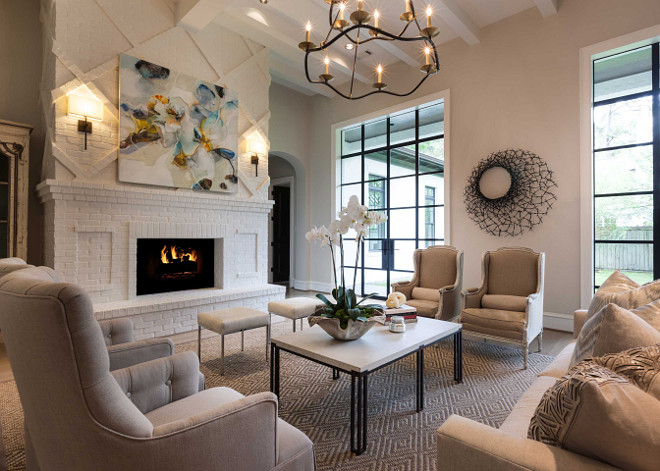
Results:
<point x="408" y="313"/>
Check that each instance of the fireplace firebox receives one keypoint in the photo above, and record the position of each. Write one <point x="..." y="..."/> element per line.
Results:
<point x="165" y="265"/>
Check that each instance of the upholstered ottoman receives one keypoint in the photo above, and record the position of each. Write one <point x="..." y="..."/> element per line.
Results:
<point x="231" y="321"/>
<point x="295" y="308"/>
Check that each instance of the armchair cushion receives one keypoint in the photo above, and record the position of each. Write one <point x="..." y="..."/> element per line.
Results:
<point x="497" y="322"/>
<point x="424" y="307"/>
<point x="159" y="382"/>
<point x="426" y="293"/>
<point x="504" y="302"/>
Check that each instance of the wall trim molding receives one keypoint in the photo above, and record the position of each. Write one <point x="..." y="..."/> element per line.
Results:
<point x="557" y="321"/>
<point x="587" y="54"/>
<point x="317" y="286"/>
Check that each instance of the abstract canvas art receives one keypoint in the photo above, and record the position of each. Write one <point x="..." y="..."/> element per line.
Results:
<point x="176" y="130"/>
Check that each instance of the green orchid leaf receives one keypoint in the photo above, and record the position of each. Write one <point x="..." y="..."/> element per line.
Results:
<point x="324" y="299"/>
<point x="366" y="297"/>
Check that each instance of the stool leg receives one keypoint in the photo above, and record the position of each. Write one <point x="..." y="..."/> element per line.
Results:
<point x="294" y="325"/>
<point x="222" y="356"/>
<point x="199" y="342"/>
<point x="242" y="340"/>
<point x="267" y="340"/>
<point x="301" y="323"/>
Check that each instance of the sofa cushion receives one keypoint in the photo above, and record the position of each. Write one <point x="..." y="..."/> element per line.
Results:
<point x="613" y="329"/>
<point x="561" y="364"/>
<point x="424" y="308"/>
<point x="598" y="413"/>
<point x="517" y="422"/>
<point x="498" y="319"/>
<point x="427" y="294"/>
<point x="627" y="294"/>
<point x="504" y="302"/>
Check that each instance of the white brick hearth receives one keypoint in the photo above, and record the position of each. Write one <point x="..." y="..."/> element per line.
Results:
<point x="92" y="241"/>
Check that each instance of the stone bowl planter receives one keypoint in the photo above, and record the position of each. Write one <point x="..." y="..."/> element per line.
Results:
<point x="354" y="331"/>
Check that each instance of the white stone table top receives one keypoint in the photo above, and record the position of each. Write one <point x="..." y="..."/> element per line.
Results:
<point x="376" y="348"/>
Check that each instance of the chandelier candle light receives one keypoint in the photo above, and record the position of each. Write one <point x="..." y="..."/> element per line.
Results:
<point x="361" y="20"/>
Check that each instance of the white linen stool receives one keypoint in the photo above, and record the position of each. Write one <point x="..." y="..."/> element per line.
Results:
<point x="230" y="321"/>
<point x="295" y="308"/>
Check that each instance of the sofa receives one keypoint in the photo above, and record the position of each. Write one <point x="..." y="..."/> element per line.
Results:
<point x="463" y="444"/>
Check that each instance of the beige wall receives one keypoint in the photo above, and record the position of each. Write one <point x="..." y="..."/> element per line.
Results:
<point x="20" y="72"/>
<point x="517" y="88"/>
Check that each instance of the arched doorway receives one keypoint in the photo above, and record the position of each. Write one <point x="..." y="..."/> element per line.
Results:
<point x="282" y="192"/>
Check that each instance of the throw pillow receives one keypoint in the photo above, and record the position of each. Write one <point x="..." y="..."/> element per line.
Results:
<point x="624" y="292"/>
<point x="640" y="366"/>
<point x="613" y="329"/>
<point x="598" y="413"/>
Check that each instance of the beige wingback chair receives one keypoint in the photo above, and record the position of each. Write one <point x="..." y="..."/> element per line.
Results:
<point x="508" y="306"/>
<point x="149" y="417"/>
<point x="435" y="289"/>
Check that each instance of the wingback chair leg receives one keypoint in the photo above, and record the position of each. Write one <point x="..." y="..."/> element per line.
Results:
<point x="525" y="353"/>
<point x="222" y="355"/>
<point x="242" y="340"/>
<point x="199" y="343"/>
<point x="539" y="339"/>
<point x="294" y="325"/>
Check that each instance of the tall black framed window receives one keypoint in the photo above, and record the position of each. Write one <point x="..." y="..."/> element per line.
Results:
<point x="395" y="164"/>
<point x="626" y="163"/>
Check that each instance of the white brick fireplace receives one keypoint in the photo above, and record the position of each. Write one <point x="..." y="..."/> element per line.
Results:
<point x="95" y="229"/>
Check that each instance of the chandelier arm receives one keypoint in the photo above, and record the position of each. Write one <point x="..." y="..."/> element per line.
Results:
<point x="357" y="46"/>
<point x="344" y="33"/>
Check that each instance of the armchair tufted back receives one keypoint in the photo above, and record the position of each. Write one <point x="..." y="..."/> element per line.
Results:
<point x="513" y="271"/>
<point x="10" y="265"/>
<point x="437" y="266"/>
<point x="61" y="367"/>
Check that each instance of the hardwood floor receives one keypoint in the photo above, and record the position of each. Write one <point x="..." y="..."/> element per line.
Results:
<point x="553" y="340"/>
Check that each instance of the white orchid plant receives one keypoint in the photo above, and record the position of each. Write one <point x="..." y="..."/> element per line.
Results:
<point x="356" y="218"/>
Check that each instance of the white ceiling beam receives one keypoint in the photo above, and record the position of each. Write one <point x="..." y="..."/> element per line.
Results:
<point x="397" y="52"/>
<point x="195" y="15"/>
<point x="458" y="20"/>
<point x="293" y="76"/>
<point x="547" y="7"/>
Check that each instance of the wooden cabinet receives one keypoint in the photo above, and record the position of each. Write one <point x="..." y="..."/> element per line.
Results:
<point x="14" y="175"/>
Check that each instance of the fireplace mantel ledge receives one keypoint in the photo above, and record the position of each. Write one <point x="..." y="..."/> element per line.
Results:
<point x="144" y="195"/>
<point x="181" y="300"/>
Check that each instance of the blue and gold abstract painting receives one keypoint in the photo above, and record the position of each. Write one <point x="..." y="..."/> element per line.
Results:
<point x="175" y="130"/>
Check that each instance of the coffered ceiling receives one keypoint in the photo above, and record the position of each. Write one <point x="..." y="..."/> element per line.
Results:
<point x="280" y="26"/>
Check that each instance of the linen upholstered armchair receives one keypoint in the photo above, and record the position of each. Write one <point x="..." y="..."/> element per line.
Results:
<point x="150" y="416"/>
<point x="508" y="306"/>
<point x="435" y="290"/>
<point x="9" y="265"/>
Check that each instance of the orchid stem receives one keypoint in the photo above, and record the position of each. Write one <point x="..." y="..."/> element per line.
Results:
<point x="357" y="258"/>
<point x="334" y="265"/>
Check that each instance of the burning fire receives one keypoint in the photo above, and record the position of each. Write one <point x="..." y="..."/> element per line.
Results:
<point x="177" y="256"/>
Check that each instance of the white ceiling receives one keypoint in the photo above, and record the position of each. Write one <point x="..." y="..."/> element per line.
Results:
<point x="280" y="26"/>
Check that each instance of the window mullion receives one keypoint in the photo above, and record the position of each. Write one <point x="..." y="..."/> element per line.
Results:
<point x="655" y="60"/>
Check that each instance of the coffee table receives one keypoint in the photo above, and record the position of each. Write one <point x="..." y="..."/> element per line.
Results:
<point x="359" y="358"/>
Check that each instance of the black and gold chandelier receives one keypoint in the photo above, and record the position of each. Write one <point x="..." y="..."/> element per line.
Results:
<point x="360" y="31"/>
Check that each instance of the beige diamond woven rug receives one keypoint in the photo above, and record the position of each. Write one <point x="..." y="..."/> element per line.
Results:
<point x="398" y="437"/>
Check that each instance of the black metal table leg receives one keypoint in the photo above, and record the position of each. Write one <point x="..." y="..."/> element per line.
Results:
<point x="365" y="409"/>
<point x="458" y="356"/>
<point x="272" y="367"/>
<point x="353" y="378"/>
<point x="420" y="379"/>
<point x="359" y="413"/>
<point x="276" y="373"/>
<point x="335" y="374"/>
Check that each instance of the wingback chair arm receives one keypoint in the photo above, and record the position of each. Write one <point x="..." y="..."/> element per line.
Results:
<point x="117" y="331"/>
<point x="159" y="382"/>
<point x="449" y="305"/>
<point x="405" y="287"/>
<point x="124" y="355"/>
<point x="534" y="315"/>
<point x="472" y="297"/>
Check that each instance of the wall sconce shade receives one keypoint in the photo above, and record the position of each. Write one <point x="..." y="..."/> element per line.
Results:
<point x="86" y="108"/>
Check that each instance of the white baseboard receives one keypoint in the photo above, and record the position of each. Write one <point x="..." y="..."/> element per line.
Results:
<point x="312" y="286"/>
<point x="556" y="321"/>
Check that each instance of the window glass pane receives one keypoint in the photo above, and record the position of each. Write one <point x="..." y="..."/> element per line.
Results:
<point x="4" y="240"/>
<point x="4" y="202"/>
<point x="403" y="254"/>
<point x="402" y="223"/>
<point x="351" y="140"/>
<point x="375" y="165"/>
<point x="432" y="223"/>
<point x="623" y="74"/>
<point x="398" y="276"/>
<point x="402" y="192"/>
<point x="402" y="128"/>
<point x="634" y="260"/>
<point x="350" y="250"/>
<point x="628" y="122"/>
<point x="373" y="257"/>
<point x="350" y="273"/>
<point x="425" y="244"/>
<point x="377" y="194"/>
<point x="4" y="168"/>
<point x="432" y="121"/>
<point x="624" y="217"/>
<point x="351" y="169"/>
<point x="432" y="189"/>
<point x="375" y="135"/>
<point x="432" y="156"/>
<point x="402" y="162"/>
<point x="375" y="281"/>
<point x="624" y="170"/>
<point x="350" y="190"/>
